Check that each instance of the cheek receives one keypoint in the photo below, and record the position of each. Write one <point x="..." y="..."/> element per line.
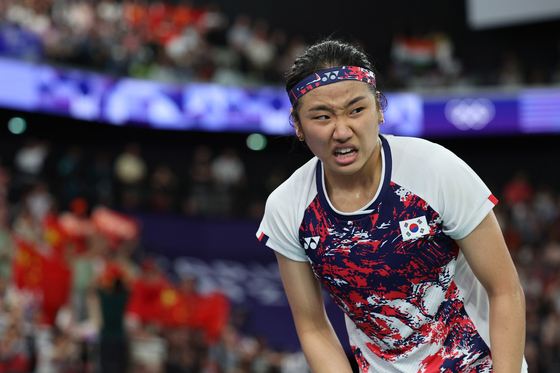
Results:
<point x="316" y="139"/>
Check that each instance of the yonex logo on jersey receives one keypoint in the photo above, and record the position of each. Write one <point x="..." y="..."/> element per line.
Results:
<point x="414" y="228"/>
<point x="310" y="242"/>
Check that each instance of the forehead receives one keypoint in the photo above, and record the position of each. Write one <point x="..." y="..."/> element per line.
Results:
<point x="336" y="94"/>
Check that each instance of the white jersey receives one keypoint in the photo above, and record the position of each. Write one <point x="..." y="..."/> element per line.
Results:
<point x="411" y="301"/>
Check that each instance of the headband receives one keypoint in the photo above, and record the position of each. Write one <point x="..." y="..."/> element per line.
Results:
<point x="328" y="76"/>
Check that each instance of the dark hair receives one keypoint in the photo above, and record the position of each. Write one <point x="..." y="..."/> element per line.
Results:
<point x="323" y="55"/>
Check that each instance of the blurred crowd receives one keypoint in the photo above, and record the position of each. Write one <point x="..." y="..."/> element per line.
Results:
<point x="213" y="182"/>
<point x="529" y="215"/>
<point x="157" y="40"/>
<point x="182" y="42"/>
<point x="423" y="61"/>
<point x="77" y="292"/>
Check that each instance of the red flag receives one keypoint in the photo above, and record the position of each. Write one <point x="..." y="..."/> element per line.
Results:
<point x="212" y="315"/>
<point x="27" y="266"/>
<point x="115" y="226"/>
<point x="177" y="310"/>
<point x="45" y="273"/>
<point x="209" y="313"/>
<point x="54" y="232"/>
<point x="145" y="299"/>
<point x="56" y="285"/>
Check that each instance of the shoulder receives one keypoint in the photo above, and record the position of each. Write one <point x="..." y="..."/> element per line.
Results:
<point x="438" y="176"/>
<point x="291" y="190"/>
<point x="284" y="212"/>
<point x="414" y="159"/>
<point x="413" y="147"/>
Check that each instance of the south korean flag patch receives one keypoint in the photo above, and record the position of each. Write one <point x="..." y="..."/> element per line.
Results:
<point x="414" y="228"/>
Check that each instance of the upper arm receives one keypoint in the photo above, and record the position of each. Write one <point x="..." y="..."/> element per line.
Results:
<point x="488" y="256"/>
<point x="279" y="228"/>
<point x="304" y="293"/>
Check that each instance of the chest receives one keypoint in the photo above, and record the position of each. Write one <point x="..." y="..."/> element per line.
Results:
<point x="397" y="243"/>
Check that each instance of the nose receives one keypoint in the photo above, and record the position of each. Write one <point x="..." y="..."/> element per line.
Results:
<point x="342" y="131"/>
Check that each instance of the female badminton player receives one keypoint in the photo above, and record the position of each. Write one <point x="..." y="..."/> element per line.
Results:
<point x="399" y="230"/>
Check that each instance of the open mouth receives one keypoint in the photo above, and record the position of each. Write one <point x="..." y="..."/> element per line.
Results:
<point x="344" y="153"/>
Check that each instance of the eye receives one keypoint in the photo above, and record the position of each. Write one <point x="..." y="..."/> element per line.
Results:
<point x="357" y="110"/>
<point x="322" y="117"/>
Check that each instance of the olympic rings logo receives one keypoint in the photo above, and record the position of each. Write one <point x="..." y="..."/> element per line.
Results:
<point x="470" y="113"/>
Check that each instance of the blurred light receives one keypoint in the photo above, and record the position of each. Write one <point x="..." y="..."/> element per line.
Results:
<point x="17" y="125"/>
<point x="256" y="142"/>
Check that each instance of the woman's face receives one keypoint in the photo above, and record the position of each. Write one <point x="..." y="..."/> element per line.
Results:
<point x="340" y="124"/>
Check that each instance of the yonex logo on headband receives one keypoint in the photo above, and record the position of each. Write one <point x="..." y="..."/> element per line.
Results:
<point x="328" y="76"/>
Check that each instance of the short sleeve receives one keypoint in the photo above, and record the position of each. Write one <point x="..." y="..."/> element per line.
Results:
<point x="463" y="199"/>
<point x="279" y="228"/>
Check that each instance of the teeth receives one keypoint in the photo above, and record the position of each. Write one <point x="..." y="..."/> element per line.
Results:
<point x="344" y="151"/>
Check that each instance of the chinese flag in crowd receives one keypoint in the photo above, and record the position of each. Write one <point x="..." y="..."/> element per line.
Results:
<point x="209" y="313"/>
<point x="55" y="235"/>
<point x="160" y="302"/>
<point x="212" y="315"/>
<point x="56" y="283"/>
<point x="177" y="309"/>
<point x="27" y="267"/>
<point x="46" y="274"/>
<point x="145" y="299"/>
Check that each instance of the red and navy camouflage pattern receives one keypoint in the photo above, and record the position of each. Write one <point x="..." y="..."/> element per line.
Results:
<point x="329" y="76"/>
<point x="400" y="294"/>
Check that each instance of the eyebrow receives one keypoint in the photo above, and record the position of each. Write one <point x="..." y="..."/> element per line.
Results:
<point x="328" y="108"/>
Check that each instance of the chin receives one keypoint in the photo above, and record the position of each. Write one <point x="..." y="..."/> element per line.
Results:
<point x="346" y="170"/>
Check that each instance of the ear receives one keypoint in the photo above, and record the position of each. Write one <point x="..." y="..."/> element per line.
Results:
<point x="381" y="118"/>
<point x="297" y="125"/>
<point x="299" y="132"/>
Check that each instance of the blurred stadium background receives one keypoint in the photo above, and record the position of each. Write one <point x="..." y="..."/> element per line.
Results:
<point x="139" y="141"/>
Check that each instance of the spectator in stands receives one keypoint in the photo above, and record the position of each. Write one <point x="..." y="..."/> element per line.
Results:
<point x="13" y="352"/>
<point x="113" y="346"/>
<point x="164" y="187"/>
<point x="228" y="169"/>
<point x="518" y="189"/>
<point x="6" y="244"/>
<point x="545" y="205"/>
<point x="83" y="276"/>
<point x="240" y="32"/>
<point x="5" y="181"/>
<point x="69" y="169"/>
<point x="29" y="161"/>
<point x="201" y="196"/>
<point x="555" y="76"/>
<point x="76" y="225"/>
<point x="109" y="11"/>
<point x="99" y="180"/>
<point x="26" y="227"/>
<point x="40" y="201"/>
<point x="260" y="51"/>
<point x="130" y="171"/>
<point x="511" y="71"/>
<point x="295" y="47"/>
<point x="58" y="353"/>
<point x="182" y="355"/>
<point x="4" y="305"/>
